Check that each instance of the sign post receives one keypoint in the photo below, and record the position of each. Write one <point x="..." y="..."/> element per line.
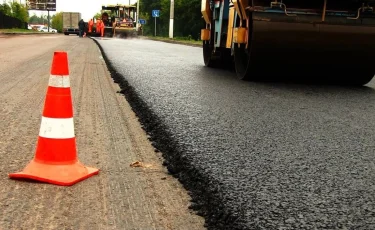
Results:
<point x="155" y="14"/>
<point x="142" y="22"/>
<point x="42" y="5"/>
<point x="171" y="19"/>
<point x="48" y="20"/>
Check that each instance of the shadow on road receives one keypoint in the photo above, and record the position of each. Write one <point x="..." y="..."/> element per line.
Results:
<point x="319" y="83"/>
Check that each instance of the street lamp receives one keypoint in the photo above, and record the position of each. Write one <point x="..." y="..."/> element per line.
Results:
<point x="171" y="20"/>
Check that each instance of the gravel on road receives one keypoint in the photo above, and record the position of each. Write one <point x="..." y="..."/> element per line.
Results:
<point x="255" y="155"/>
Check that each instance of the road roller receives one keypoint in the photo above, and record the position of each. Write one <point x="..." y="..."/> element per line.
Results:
<point x="332" y="40"/>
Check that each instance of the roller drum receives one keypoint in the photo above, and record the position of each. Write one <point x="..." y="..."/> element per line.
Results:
<point x="339" y="49"/>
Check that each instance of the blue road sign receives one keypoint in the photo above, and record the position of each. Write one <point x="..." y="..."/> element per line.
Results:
<point x="155" y="13"/>
<point x="142" y="21"/>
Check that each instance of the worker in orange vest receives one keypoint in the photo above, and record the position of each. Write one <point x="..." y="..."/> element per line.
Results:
<point x="91" y="23"/>
<point x="102" y="28"/>
<point x="98" y="26"/>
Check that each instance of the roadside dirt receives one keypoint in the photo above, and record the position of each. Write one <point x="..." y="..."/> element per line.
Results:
<point x="180" y="42"/>
<point x="109" y="137"/>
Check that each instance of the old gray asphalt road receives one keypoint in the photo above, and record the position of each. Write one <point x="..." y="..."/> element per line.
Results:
<point x="270" y="155"/>
<point x="109" y="137"/>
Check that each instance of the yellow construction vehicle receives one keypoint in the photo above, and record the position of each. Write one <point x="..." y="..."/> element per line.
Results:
<point x="115" y="21"/>
<point x="122" y="21"/>
<point x="125" y="24"/>
<point x="295" y="38"/>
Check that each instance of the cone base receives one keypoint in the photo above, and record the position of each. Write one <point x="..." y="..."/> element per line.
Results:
<point x="66" y="174"/>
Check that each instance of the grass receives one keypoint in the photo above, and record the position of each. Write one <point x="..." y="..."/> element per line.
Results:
<point x="17" y="30"/>
<point x="184" y="40"/>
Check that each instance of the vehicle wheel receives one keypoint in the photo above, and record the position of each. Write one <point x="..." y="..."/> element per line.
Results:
<point x="364" y="80"/>
<point x="359" y="80"/>
<point x="242" y="54"/>
<point x="210" y="59"/>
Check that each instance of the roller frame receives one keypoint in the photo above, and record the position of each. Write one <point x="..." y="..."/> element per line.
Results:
<point x="322" y="25"/>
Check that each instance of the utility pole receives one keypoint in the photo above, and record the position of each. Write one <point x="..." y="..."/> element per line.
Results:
<point x="171" y="19"/>
<point x="48" y="20"/>
<point x="137" y="22"/>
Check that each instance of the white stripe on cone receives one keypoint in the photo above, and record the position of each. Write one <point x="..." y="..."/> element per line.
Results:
<point x="57" y="128"/>
<point x="59" y="81"/>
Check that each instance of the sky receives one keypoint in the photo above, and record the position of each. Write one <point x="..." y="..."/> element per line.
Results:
<point x="87" y="8"/>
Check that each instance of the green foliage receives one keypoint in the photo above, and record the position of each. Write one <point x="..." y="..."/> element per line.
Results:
<point x="98" y="15"/>
<point x="187" y="17"/>
<point x="35" y="20"/>
<point x="5" y="9"/>
<point x="16" y="10"/>
<point x="19" y="11"/>
<point x="57" y="22"/>
<point x="110" y="14"/>
<point x="43" y="19"/>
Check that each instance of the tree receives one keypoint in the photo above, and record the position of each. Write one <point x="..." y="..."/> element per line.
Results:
<point x="146" y="7"/>
<point x="19" y="11"/>
<point x="57" y="22"/>
<point x="98" y="15"/>
<point x="35" y="20"/>
<point x="187" y="17"/>
<point x="5" y="9"/>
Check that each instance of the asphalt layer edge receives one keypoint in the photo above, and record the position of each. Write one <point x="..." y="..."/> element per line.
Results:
<point x="206" y="197"/>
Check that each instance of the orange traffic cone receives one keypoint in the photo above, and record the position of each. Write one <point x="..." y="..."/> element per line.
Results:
<point x="55" y="160"/>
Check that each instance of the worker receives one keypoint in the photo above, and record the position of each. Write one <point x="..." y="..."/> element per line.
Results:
<point x="91" y="23"/>
<point x="86" y="29"/>
<point x="102" y="28"/>
<point x="81" y="26"/>
<point x="98" y="26"/>
<point x="105" y="19"/>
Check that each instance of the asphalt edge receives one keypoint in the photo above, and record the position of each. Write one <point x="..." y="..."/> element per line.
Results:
<point x="206" y="199"/>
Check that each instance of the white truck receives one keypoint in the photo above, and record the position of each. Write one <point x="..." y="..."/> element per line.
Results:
<point x="70" y="22"/>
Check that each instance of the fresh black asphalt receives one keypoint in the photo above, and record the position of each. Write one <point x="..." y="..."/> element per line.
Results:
<point x="254" y="155"/>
